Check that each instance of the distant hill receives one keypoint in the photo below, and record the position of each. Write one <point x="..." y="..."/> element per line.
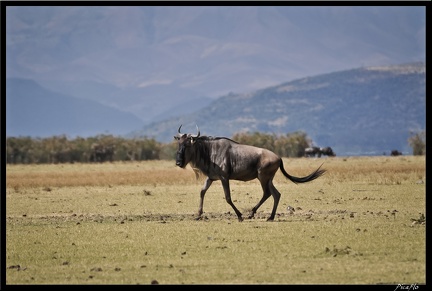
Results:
<point x="147" y="60"/>
<point x="363" y="111"/>
<point x="32" y="110"/>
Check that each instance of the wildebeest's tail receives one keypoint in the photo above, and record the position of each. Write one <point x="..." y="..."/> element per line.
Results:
<point x="317" y="173"/>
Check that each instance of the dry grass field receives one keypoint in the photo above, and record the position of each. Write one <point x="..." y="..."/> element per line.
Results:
<point x="363" y="222"/>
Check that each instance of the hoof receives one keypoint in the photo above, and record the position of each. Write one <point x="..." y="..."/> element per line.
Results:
<point x="251" y="214"/>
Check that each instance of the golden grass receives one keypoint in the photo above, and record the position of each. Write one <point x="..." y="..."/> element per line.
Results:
<point x="381" y="170"/>
<point x="118" y="173"/>
<point x="131" y="223"/>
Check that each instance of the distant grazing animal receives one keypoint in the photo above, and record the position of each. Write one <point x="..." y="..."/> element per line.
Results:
<point x="395" y="153"/>
<point x="316" y="151"/>
<point x="220" y="158"/>
<point x="312" y="152"/>
<point x="327" y="151"/>
<point x="101" y="153"/>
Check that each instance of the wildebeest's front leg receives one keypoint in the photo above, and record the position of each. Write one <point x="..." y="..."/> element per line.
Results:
<point x="207" y="185"/>
<point x="226" y="187"/>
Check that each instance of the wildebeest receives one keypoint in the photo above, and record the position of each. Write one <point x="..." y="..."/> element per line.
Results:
<point x="317" y="151"/>
<point x="327" y="151"/>
<point x="395" y="153"/>
<point x="101" y="153"/>
<point x="312" y="152"/>
<point x="220" y="158"/>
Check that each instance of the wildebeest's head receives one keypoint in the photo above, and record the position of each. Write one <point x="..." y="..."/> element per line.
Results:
<point x="185" y="142"/>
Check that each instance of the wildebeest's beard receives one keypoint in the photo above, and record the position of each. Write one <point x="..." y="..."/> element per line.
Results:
<point x="184" y="144"/>
<point x="180" y="158"/>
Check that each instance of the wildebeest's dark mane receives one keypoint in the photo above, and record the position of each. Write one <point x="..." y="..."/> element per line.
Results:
<point x="210" y="138"/>
<point x="202" y="152"/>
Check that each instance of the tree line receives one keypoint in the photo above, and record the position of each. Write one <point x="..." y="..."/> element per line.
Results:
<point x="100" y="148"/>
<point x="108" y="148"/>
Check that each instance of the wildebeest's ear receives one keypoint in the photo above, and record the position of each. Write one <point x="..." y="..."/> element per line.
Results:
<point x="176" y="137"/>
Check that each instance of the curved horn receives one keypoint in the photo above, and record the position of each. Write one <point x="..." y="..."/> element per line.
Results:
<point x="179" y="128"/>
<point x="198" y="131"/>
<point x="196" y="136"/>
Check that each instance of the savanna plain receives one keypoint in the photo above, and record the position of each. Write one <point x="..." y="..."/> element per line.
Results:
<point x="362" y="222"/>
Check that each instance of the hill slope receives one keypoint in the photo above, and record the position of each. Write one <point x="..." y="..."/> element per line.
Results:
<point x="35" y="111"/>
<point x="368" y="110"/>
<point x="148" y="59"/>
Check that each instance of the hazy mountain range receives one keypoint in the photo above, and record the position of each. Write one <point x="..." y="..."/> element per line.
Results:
<point x="158" y="61"/>
<point x="140" y="70"/>
<point x="32" y="110"/>
<point x="369" y="110"/>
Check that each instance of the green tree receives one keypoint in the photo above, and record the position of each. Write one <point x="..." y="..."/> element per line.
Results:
<point x="417" y="141"/>
<point x="168" y="151"/>
<point x="292" y="144"/>
<point x="288" y="145"/>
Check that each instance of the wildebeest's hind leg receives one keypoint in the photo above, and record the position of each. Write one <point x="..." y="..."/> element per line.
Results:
<point x="266" y="195"/>
<point x="204" y="189"/>
<point x="226" y="187"/>
<point x="276" y="197"/>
